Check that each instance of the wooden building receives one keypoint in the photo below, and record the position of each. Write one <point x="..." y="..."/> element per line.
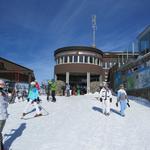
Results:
<point x="14" y="72"/>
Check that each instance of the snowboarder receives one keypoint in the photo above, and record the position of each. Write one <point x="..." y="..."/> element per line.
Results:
<point x="123" y="99"/>
<point x="105" y="98"/>
<point x="3" y="110"/>
<point x="32" y="99"/>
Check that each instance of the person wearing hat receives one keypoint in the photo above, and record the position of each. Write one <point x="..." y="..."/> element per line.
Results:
<point x="122" y="99"/>
<point x="105" y="98"/>
<point x="32" y="99"/>
<point x="3" y="110"/>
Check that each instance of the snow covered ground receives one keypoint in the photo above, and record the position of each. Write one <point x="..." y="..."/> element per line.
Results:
<point x="77" y="123"/>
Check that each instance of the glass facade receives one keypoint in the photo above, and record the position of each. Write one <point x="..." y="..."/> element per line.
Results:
<point x="144" y="41"/>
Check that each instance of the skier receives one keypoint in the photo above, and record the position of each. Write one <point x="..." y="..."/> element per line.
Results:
<point x="3" y="110"/>
<point x="123" y="99"/>
<point x="105" y="98"/>
<point x="53" y="88"/>
<point x="32" y="99"/>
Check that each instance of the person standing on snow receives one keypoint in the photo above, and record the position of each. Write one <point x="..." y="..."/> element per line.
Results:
<point x="32" y="99"/>
<point x="53" y="88"/>
<point x="49" y="90"/>
<point x="68" y="89"/>
<point x="123" y="99"/>
<point x="3" y="110"/>
<point x="38" y="88"/>
<point x="105" y="98"/>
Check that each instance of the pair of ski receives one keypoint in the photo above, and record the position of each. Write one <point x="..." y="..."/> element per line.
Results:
<point x="26" y="118"/>
<point x="36" y="116"/>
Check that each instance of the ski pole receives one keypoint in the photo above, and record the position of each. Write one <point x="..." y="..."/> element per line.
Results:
<point x="44" y="110"/>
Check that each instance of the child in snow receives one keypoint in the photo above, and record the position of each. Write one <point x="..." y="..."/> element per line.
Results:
<point x="32" y="99"/>
<point x="122" y="98"/>
<point x="106" y="98"/>
<point x="3" y="110"/>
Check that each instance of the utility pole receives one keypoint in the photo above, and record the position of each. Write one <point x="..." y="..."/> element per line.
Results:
<point x="133" y="48"/>
<point x="94" y="27"/>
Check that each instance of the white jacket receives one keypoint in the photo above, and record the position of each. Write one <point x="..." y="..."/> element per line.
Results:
<point x="105" y="94"/>
<point x="3" y="105"/>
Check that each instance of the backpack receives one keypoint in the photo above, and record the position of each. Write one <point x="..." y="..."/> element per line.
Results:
<point x="122" y="96"/>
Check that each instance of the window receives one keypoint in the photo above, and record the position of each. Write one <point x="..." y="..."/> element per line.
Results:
<point x="75" y="59"/>
<point x="2" y="66"/>
<point x="81" y="59"/>
<point x="91" y="59"/>
<point x="103" y="64"/>
<point x="98" y="61"/>
<point x="65" y="59"/>
<point x="86" y="59"/>
<point x="70" y="59"/>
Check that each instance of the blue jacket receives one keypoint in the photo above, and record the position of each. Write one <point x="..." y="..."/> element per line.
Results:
<point x="33" y="94"/>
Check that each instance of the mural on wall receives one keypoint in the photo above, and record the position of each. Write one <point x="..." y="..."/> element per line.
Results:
<point x="118" y="79"/>
<point x="139" y="78"/>
<point x="135" y="78"/>
<point x="143" y="78"/>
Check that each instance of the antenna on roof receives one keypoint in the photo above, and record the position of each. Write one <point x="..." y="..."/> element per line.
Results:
<point x="94" y="30"/>
<point x="133" y="48"/>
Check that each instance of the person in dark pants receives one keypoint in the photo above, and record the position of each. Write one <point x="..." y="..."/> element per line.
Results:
<point x="68" y="89"/>
<point x="3" y="110"/>
<point x="48" y="90"/>
<point x="53" y="90"/>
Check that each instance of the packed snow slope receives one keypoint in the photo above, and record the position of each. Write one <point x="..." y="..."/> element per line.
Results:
<point x="77" y="123"/>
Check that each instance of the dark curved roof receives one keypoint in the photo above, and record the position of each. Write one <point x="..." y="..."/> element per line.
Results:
<point x="83" y="48"/>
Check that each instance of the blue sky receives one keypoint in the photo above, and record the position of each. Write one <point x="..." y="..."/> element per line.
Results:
<point x="31" y="30"/>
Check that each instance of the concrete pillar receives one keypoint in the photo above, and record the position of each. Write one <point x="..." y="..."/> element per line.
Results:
<point x="72" y="59"/>
<point x="100" y="79"/>
<point x="55" y="77"/>
<point x="83" y="59"/>
<point x="88" y="82"/>
<point x="68" y="59"/>
<point x="67" y="77"/>
<point x="78" y="60"/>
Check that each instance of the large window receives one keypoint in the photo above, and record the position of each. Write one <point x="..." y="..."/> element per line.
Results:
<point x="65" y="59"/>
<point x="81" y="59"/>
<point x="75" y="59"/>
<point x="70" y="59"/>
<point x="91" y="59"/>
<point x="86" y="59"/>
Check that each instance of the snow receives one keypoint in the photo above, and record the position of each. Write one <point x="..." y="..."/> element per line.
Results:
<point x="77" y="123"/>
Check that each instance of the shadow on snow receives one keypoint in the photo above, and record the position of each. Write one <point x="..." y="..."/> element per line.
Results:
<point x="13" y="135"/>
<point x="101" y="110"/>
